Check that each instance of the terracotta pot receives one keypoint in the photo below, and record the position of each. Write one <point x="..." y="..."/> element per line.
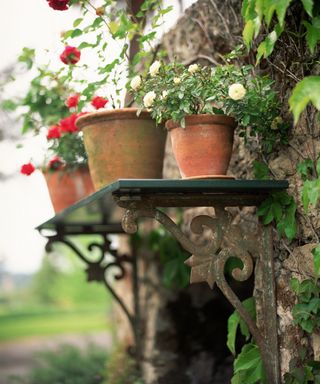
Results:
<point x="67" y="187"/>
<point x="204" y="147"/>
<point x="121" y="145"/>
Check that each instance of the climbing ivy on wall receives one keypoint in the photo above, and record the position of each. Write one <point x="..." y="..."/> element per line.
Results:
<point x="266" y="24"/>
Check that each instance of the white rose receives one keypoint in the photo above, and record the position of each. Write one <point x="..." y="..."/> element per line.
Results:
<point x="135" y="83"/>
<point x="193" y="68"/>
<point x="149" y="99"/>
<point x="237" y="91"/>
<point x="154" y="68"/>
<point x="164" y="94"/>
<point x="177" y="80"/>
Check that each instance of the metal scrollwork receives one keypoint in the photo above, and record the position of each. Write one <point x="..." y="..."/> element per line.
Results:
<point x="208" y="261"/>
<point x="101" y="269"/>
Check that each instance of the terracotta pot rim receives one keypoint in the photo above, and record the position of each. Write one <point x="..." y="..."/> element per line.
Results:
<point x="66" y="169"/>
<point x="114" y="114"/>
<point x="203" y="119"/>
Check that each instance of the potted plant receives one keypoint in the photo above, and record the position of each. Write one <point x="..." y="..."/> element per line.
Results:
<point x="118" y="142"/>
<point x="50" y="108"/>
<point x="202" y="106"/>
<point x="66" y="172"/>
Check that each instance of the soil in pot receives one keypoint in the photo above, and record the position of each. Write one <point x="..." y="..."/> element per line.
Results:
<point x="121" y="145"/>
<point x="203" y="148"/>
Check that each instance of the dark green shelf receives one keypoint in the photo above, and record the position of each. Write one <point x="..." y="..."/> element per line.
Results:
<point x="100" y="212"/>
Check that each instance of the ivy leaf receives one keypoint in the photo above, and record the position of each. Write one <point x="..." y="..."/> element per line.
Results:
<point x="308" y="6"/>
<point x="261" y="171"/>
<point x="307" y="90"/>
<point x="248" y="33"/>
<point x="266" y="47"/>
<point x="313" y="33"/>
<point x="248" y="358"/>
<point x="304" y="167"/>
<point x="235" y="321"/>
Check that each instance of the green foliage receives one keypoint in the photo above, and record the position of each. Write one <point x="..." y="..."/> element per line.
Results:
<point x="27" y="57"/>
<point x="311" y="185"/>
<point x="306" y="312"/>
<point x="270" y="14"/>
<point x="235" y="322"/>
<point x="68" y="365"/>
<point x="303" y="371"/>
<point x="261" y="171"/>
<point x="177" y="91"/>
<point x="248" y="367"/>
<point x="306" y="91"/>
<point x="281" y="208"/>
<point x="175" y="273"/>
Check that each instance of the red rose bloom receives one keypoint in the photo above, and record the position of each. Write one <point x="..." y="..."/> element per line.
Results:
<point x="99" y="102"/>
<point x="55" y="164"/>
<point x="27" y="169"/>
<point x="58" y="5"/>
<point x="54" y="132"/>
<point x="68" y="124"/>
<point x="70" y="55"/>
<point x="73" y="101"/>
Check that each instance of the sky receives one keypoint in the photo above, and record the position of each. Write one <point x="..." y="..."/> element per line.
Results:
<point x="24" y="201"/>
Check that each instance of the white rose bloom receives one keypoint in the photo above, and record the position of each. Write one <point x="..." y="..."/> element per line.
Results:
<point x="193" y="68"/>
<point x="149" y="99"/>
<point x="177" y="80"/>
<point x="237" y="91"/>
<point x="164" y="94"/>
<point x="154" y="68"/>
<point x="135" y="83"/>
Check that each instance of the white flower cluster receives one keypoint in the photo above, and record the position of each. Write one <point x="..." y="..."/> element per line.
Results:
<point x="135" y="83"/>
<point x="193" y="68"/>
<point x="149" y="99"/>
<point x="237" y="91"/>
<point x="154" y="68"/>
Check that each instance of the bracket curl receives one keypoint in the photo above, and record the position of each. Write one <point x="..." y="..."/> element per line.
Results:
<point x="208" y="263"/>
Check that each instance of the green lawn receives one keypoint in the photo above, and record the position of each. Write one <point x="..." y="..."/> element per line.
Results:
<point x="22" y="325"/>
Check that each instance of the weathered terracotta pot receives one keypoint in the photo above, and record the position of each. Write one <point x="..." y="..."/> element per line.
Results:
<point x="204" y="147"/>
<point x="121" y="145"/>
<point x="67" y="187"/>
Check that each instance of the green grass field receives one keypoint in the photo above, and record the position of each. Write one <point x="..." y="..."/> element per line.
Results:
<point x="44" y="323"/>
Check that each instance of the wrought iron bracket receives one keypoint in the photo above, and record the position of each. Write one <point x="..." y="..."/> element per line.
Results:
<point x="208" y="264"/>
<point x="105" y="265"/>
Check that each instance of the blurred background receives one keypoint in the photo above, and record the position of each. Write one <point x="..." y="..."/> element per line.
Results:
<point x="45" y="301"/>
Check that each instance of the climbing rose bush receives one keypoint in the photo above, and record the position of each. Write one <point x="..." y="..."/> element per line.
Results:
<point x="70" y="55"/>
<point x="27" y="169"/>
<point x="58" y="5"/>
<point x="73" y="101"/>
<point x="54" y="132"/>
<point x="98" y="102"/>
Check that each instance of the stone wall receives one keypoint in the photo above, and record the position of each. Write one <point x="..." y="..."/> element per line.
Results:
<point x="207" y="30"/>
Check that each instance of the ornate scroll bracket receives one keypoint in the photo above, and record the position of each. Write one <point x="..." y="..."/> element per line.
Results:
<point x="208" y="264"/>
<point x="105" y="265"/>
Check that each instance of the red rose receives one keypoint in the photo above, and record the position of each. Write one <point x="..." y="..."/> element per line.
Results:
<point x="73" y="101"/>
<point x="55" y="164"/>
<point x="70" y="55"/>
<point x="99" y="102"/>
<point x="68" y="124"/>
<point x="58" y="5"/>
<point x="54" y="132"/>
<point x="27" y="169"/>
